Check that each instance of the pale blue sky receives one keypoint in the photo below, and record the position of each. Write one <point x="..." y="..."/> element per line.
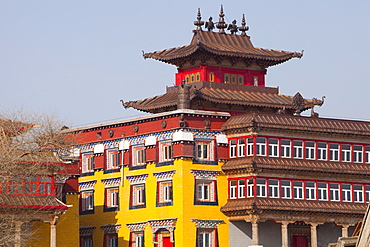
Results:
<point x="79" y="58"/>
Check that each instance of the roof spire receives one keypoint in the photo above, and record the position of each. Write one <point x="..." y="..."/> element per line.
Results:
<point x="199" y="23"/>
<point x="221" y="23"/>
<point x="243" y="28"/>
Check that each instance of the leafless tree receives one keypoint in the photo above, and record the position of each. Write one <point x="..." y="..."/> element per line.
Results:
<point x="29" y="148"/>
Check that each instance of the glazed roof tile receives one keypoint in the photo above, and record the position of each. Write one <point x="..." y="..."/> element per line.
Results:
<point x="297" y="165"/>
<point x="302" y="123"/>
<point x="222" y="45"/>
<point x="313" y="206"/>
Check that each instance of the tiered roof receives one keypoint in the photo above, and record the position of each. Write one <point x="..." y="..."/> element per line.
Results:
<point x="206" y="45"/>
<point x="223" y="97"/>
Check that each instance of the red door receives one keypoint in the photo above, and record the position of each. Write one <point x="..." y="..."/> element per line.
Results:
<point x="166" y="242"/>
<point x="299" y="241"/>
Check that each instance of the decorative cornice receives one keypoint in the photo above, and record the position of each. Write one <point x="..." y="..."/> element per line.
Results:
<point x="137" y="227"/>
<point x="137" y="179"/>
<point x="206" y="223"/>
<point x="204" y="174"/>
<point x="111" y="182"/>
<point x="110" y="228"/>
<point x="161" y="176"/>
<point x="88" y="185"/>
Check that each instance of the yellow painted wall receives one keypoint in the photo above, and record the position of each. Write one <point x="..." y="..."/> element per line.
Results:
<point x="183" y="206"/>
<point x="67" y="228"/>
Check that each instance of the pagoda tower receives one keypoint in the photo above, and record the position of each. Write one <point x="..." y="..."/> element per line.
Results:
<point x="218" y="71"/>
<point x="223" y="160"/>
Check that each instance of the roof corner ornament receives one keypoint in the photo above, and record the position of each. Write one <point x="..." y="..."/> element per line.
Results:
<point x="233" y="27"/>
<point x="298" y="54"/>
<point x="244" y="28"/>
<point x="221" y="23"/>
<point x="313" y="113"/>
<point x="199" y="23"/>
<point x="209" y="24"/>
<point x="298" y="103"/>
<point x="125" y="104"/>
<point x="318" y="102"/>
<point x="145" y="56"/>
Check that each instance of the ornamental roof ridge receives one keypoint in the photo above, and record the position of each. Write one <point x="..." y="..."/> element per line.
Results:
<point x="221" y="44"/>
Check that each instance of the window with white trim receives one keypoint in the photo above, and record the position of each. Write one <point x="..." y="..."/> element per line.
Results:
<point x="367" y="154"/>
<point x="241" y="147"/>
<point x="232" y="148"/>
<point x="285" y="189"/>
<point x="346" y="153"/>
<point x="298" y="189"/>
<point x="367" y="193"/>
<point x="113" y="159"/>
<point x="357" y="153"/>
<point x="273" y="147"/>
<point x="86" y="241"/>
<point x="261" y="146"/>
<point x="334" y="192"/>
<point x="298" y="149"/>
<point x="358" y="193"/>
<point x="285" y="149"/>
<point x="166" y="152"/>
<point x="87" y="200"/>
<point x="111" y="240"/>
<point x="273" y="188"/>
<point x="346" y="193"/>
<point x="137" y="196"/>
<point x="322" y="191"/>
<point x="137" y="239"/>
<point x="250" y="187"/>
<point x="203" y="151"/>
<point x="310" y="150"/>
<point x="250" y="146"/>
<point x="241" y="188"/>
<point x="206" y="190"/>
<point x="138" y="155"/>
<point x="334" y="152"/>
<point x="112" y="197"/>
<point x="310" y="190"/>
<point x="233" y="189"/>
<point x="87" y="162"/>
<point x="206" y="237"/>
<point x="165" y="192"/>
<point x="261" y="187"/>
<point x="321" y="150"/>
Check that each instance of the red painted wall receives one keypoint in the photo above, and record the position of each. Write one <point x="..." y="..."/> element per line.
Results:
<point x="219" y="74"/>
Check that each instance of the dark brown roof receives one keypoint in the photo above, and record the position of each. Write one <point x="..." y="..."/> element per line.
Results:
<point x="225" y="45"/>
<point x="221" y="94"/>
<point x="288" y="164"/>
<point x="301" y="123"/>
<point x="31" y="202"/>
<point x="293" y="205"/>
